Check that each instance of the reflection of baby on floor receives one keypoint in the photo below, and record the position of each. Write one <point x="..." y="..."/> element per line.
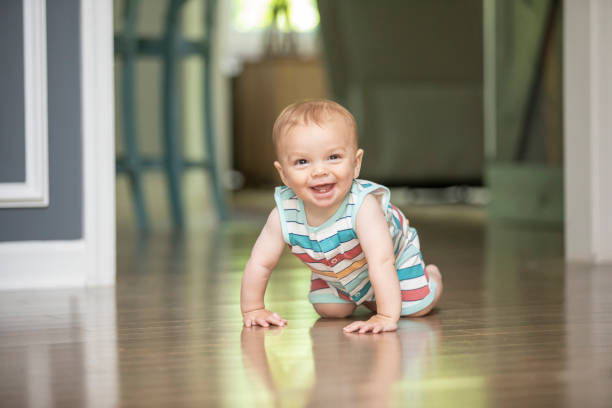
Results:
<point x="349" y="369"/>
<point x="279" y="365"/>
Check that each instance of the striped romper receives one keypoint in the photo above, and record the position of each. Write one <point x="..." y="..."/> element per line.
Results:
<point x="333" y="254"/>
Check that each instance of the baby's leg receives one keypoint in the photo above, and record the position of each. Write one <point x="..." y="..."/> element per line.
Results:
<point x="334" y="310"/>
<point x="327" y="301"/>
<point x="434" y="274"/>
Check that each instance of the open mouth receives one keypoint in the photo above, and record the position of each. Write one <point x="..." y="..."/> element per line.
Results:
<point x="322" y="188"/>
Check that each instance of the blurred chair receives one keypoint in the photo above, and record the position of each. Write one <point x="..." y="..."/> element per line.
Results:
<point x="171" y="47"/>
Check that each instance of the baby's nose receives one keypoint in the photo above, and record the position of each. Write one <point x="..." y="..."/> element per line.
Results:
<point x="319" y="171"/>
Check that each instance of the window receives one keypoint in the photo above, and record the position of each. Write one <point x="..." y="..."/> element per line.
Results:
<point x="256" y="15"/>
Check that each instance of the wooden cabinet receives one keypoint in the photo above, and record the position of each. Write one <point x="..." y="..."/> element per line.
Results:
<point x="260" y="93"/>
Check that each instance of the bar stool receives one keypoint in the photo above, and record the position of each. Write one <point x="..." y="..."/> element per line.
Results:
<point x="171" y="47"/>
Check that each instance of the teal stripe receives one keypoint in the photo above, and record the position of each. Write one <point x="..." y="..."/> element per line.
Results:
<point x="412" y="233"/>
<point x="356" y="281"/>
<point x="397" y="223"/>
<point x="411" y="251"/>
<point x="281" y="213"/>
<point x="411" y="272"/>
<point x="408" y="253"/>
<point x="361" y="292"/>
<point x="304" y="242"/>
<point x="291" y="216"/>
<point x="325" y="245"/>
<point x="336" y="285"/>
<point x="315" y="297"/>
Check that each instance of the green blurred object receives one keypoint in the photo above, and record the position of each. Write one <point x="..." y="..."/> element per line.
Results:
<point x="297" y="15"/>
<point x="526" y="192"/>
<point x="280" y="39"/>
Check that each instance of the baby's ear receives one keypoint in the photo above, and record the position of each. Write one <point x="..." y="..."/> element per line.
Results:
<point x="279" y="168"/>
<point x="358" y="158"/>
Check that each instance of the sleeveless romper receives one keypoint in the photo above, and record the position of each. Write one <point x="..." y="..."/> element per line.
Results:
<point x="333" y="254"/>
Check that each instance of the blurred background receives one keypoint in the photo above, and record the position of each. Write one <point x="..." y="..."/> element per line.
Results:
<point x="458" y="103"/>
<point x="459" y="107"/>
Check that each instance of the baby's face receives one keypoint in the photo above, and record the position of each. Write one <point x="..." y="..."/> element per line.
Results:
<point x="319" y="163"/>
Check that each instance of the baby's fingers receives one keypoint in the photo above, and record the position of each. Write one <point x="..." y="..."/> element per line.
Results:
<point x="280" y="318"/>
<point x="367" y="327"/>
<point x="354" y="326"/>
<point x="276" y="320"/>
<point x="250" y="322"/>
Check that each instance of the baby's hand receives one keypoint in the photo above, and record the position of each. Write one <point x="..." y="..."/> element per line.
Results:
<point x="263" y="318"/>
<point x="376" y="324"/>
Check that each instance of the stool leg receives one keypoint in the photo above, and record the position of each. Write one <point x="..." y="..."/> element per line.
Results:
<point x="173" y="155"/>
<point x="133" y="165"/>
<point x="218" y="193"/>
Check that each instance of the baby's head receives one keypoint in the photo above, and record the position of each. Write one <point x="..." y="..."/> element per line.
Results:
<point x="313" y="112"/>
<point x="318" y="156"/>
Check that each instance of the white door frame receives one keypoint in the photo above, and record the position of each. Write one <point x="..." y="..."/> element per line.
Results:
<point x="587" y="81"/>
<point x="89" y="261"/>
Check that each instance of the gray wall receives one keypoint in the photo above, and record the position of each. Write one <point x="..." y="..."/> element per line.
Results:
<point x="62" y="220"/>
<point x="12" y="142"/>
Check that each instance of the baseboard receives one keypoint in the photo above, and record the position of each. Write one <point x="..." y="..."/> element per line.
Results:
<point x="43" y="265"/>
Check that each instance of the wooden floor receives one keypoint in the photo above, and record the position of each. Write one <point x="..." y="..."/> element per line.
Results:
<point x="516" y="327"/>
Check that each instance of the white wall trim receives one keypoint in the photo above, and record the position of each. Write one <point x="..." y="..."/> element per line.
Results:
<point x="99" y="133"/>
<point x="42" y="264"/>
<point x="91" y="260"/>
<point x="34" y="192"/>
<point x="588" y="130"/>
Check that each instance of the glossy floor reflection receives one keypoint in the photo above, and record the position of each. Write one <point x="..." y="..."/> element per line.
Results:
<point x="58" y="348"/>
<point x="516" y="327"/>
<point x="324" y="365"/>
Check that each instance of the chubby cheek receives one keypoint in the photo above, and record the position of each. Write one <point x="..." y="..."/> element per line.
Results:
<point x="352" y="173"/>
<point x="296" y="180"/>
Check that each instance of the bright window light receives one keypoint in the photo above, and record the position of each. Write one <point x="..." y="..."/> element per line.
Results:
<point x="256" y="15"/>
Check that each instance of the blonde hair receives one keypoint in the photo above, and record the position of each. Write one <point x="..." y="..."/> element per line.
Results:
<point x="316" y="111"/>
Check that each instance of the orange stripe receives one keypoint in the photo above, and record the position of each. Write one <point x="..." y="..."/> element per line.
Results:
<point x="324" y="273"/>
<point x="354" y="266"/>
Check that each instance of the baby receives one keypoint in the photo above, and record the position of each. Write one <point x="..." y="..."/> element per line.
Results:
<point x="358" y="246"/>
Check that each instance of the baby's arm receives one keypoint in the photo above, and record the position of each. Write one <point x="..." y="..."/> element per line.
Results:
<point x="373" y="234"/>
<point x="264" y="256"/>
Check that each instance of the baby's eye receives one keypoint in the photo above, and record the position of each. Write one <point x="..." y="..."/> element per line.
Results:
<point x="301" y="162"/>
<point x="334" y="157"/>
